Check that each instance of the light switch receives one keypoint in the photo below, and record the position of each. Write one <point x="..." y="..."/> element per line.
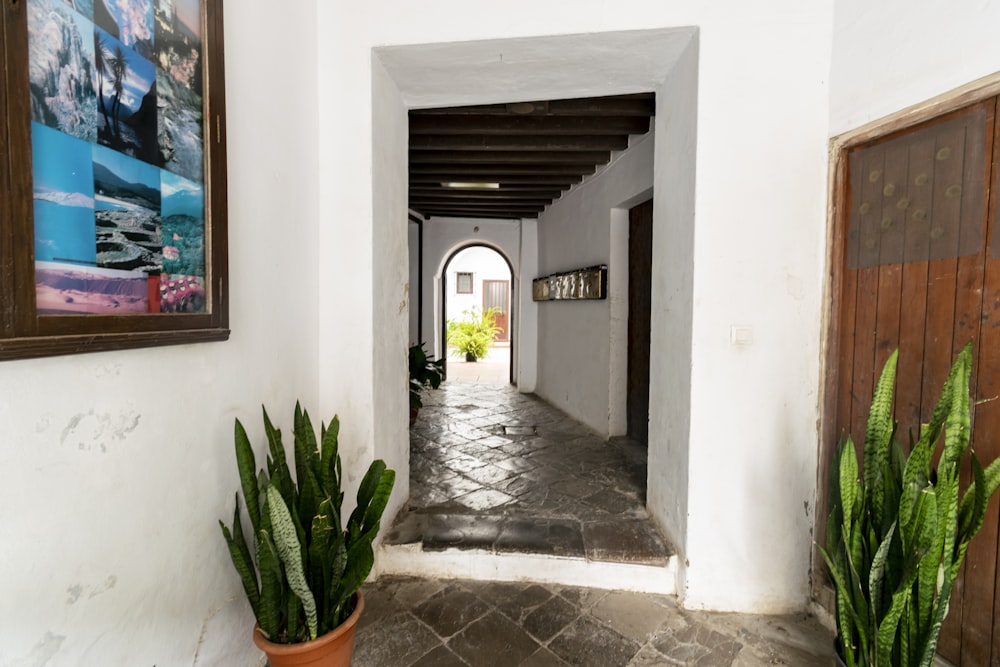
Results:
<point x="741" y="335"/>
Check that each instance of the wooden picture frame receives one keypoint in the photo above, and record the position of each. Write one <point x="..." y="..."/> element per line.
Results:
<point x="186" y="274"/>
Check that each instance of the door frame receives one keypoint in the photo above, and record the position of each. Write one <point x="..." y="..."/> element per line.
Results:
<point x="513" y="294"/>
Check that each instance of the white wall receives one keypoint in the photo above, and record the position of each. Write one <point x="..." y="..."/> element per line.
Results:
<point x="753" y="181"/>
<point x="413" y="241"/>
<point x="891" y="54"/>
<point x="117" y="465"/>
<point x="574" y="337"/>
<point x="483" y="264"/>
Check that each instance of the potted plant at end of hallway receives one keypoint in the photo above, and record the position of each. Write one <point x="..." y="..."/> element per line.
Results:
<point x="473" y="335"/>
<point x="897" y="533"/>
<point x="304" y="575"/>
<point x="424" y="372"/>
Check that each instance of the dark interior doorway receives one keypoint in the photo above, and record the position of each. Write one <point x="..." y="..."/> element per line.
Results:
<point x="640" y="264"/>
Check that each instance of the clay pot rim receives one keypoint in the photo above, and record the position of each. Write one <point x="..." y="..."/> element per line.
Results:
<point x="272" y="648"/>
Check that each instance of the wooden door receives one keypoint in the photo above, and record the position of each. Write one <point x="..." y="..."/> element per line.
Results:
<point x="918" y="268"/>
<point x="496" y="294"/>
<point x="640" y="263"/>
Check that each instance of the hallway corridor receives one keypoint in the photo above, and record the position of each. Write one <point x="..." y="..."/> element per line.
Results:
<point x="496" y="470"/>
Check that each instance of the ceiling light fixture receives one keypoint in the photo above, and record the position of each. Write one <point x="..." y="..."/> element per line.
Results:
<point x="471" y="186"/>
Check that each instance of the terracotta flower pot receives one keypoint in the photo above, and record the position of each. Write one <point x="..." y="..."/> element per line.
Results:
<point x="334" y="649"/>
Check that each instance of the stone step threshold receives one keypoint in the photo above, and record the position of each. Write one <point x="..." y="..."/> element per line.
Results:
<point x="626" y="554"/>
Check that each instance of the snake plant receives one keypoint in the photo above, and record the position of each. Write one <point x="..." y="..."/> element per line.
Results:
<point x="306" y="566"/>
<point x="897" y="533"/>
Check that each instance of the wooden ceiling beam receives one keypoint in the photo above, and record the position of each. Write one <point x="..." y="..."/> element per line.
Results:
<point x="508" y="157"/>
<point x="532" y="125"/>
<point x="554" y="190"/>
<point x="640" y="104"/>
<point x="491" y="195"/>
<point x="478" y="214"/>
<point x="487" y="206"/>
<point x="478" y="172"/>
<point x="505" y="180"/>
<point x="494" y="203"/>
<point x="517" y="142"/>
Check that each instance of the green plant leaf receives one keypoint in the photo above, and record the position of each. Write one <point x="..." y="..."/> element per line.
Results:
<point x="359" y="562"/>
<point x="280" y="475"/>
<point x="330" y="466"/>
<point x="877" y="575"/>
<point x="246" y="464"/>
<point x="878" y="437"/>
<point x="271" y="588"/>
<point x="372" y="485"/>
<point x="986" y="482"/>
<point x="239" y="552"/>
<point x="289" y="550"/>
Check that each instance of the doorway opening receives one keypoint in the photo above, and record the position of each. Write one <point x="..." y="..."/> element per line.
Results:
<point x="476" y="285"/>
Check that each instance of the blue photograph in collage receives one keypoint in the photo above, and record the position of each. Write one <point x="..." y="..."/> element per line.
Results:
<point x="63" y="197"/>
<point x="127" y="114"/>
<point x="183" y="215"/>
<point x="131" y="23"/>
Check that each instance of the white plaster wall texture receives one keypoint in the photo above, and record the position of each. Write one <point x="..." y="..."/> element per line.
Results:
<point x="390" y="274"/>
<point x="762" y="111"/>
<point x="117" y="465"/>
<point x="483" y="264"/>
<point x="759" y="238"/>
<point x="575" y="336"/>
<point x="414" y="248"/>
<point x="893" y="54"/>
<point x="672" y="307"/>
<point x="526" y="350"/>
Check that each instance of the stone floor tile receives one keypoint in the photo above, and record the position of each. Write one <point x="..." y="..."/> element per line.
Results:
<point x="399" y="639"/>
<point x="441" y="656"/>
<point x="484" y="499"/>
<point x="493" y="641"/>
<point x="698" y="645"/>
<point x="588" y="643"/>
<point x="489" y="474"/>
<point x="548" y="619"/>
<point x="613" y="502"/>
<point x="554" y="537"/>
<point x="526" y="601"/>
<point x="451" y="610"/>
<point x="444" y="531"/>
<point x="621" y="540"/>
<point x="543" y="657"/>
<point x="650" y="657"/>
<point x="632" y="615"/>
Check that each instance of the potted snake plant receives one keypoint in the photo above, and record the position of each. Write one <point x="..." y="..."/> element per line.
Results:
<point x="303" y="574"/>
<point x="898" y="531"/>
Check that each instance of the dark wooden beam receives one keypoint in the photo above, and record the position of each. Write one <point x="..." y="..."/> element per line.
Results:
<point x="515" y="142"/>
<point x="534" y="125"/>
<point x="505" y="180"/>
<point x="480" y="214"/>
<point x="507" y="157"/>
<point x="554" y="189"/>
<point x="493" y="195"/>
<point x="478" y="172"/>
<point x="640" y="104"/>
<point x="472" y="201"/>
<point x="484" y="206"/>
